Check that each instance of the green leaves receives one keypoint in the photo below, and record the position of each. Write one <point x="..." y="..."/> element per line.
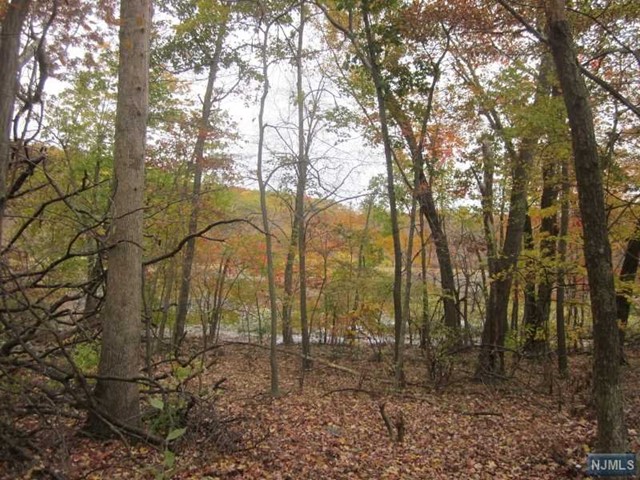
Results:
<point x="175" y="434"/>
<point x="156" y="403"/>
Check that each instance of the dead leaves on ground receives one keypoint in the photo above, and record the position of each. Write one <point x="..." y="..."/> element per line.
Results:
<point x="332" y="429"/>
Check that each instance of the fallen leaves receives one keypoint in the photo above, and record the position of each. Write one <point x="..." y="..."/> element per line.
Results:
<point x="331" y="430"/>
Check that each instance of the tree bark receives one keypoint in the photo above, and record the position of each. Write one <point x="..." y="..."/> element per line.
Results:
<point x="121" y="321"/>
<point x="628" y="273"/>
<point x="287" y="330"/>
<point x="301" y="187"/>
<point x="262" y="185"/>
<point x="12" y="24"/>
<point x="491" y="358"/>
<point x="612" y="434"/>
<point x="198" y="160"/>
<point x="563" y="366"/>
<point x="374" y="70"/>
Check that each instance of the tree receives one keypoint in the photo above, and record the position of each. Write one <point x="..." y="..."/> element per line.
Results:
<point x="116" y="393"/>
<point x="262" y="185"/>
<point x="612" y="434"/>
<point x="206" y="28"/>
<point x="302" y="167"/>
<point x="628" y="273"/>
<point x="14" y="17"/>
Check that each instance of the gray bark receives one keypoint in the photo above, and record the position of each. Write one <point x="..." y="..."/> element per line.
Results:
<point x="608" y="396"/>
<point x="118" y="397"/>
<point x="262" y="185"/>
<point x="12" y="24"/>
<point x="198" y="159"/>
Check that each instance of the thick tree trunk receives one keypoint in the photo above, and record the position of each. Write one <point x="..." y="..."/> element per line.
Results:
<point x="16" y="13"/>
<point x="198" y="159"/>
<point x="118" y="397"/>
<point x="612" y="434"/>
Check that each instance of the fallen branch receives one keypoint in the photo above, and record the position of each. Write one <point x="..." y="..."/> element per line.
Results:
<point x="326" y="363"/>
<point x="496" y="414"/>
<point x="396" y="435"/>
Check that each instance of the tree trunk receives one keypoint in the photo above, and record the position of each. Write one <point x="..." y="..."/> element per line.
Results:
<point x="302" y="165"/>
<point x="118" y="398"/>
<point x="271" y="280"/>
<point x="491" y="358"/>
<point x="612" y="434"/>
<point x="16" y="13"/>
<point x="563" y="366"/>
<point x="406" y="311"/>
<point x="447" y="279"/>
<point x="425" y="333"/>
<point x="548" y="237"/>
<point x="378" y="82"/>
<point x="198" y="160"/>
<point x="529" y="320"/>
<point x="166" y="299"/>
<point x="287" y="330"/>
<point x="627" y="277"/>
<point x="424" y="194"/>
<point x="548" y="234"/>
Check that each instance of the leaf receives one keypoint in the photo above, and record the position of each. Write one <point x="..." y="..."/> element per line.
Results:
<point x="169" y="459"/>
<point x="157" y="403"/>
<point x="176" y="433"/>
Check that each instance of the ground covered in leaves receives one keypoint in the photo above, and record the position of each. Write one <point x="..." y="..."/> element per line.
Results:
<point x="328" y="423"/>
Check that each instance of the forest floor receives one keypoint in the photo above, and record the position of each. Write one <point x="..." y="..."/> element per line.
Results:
<point x="328" y="423"/>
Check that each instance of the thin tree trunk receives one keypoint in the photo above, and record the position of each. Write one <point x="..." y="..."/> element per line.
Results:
<point x="408" y="272"/>
<point x="548" y="247"/>
<point x="425" y="340"/>
<point x="548" y="237"/>
<point x="361" y="258"/>
<point x="166" y="299"/>
<point x="287" y="330"/>
<point x="273" y="302"/>
<point x="374" y="70"/>
<point x="119" y="400"/>
<point x="612" y="433"/>
<point x="563" y="366"/>
<point x="198" y="160"/>
<point x="627" y="277"/>
<point x="300" y="193"/>
<point x="16" y="13"/>
<point x="428" y="209"/>
<point x="529" y="317"/>
<point x="491" y="358"/>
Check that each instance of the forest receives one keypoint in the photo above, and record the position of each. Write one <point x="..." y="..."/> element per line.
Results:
<point x="298" y="239"/>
